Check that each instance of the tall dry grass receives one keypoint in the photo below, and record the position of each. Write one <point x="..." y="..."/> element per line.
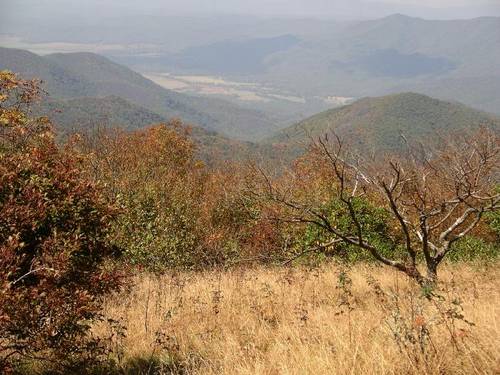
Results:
<point x="368" y="320"/>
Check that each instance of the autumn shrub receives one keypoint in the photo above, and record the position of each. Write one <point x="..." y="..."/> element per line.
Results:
<point x="175" y="212"/>
<point x="309" y="181"/>
<point x="482" y="246"/>
<point x="55" y="256"/>
<point x="332" y="205"/>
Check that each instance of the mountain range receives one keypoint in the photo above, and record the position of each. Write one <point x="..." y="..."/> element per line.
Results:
<point x="88" y="90"/>
<point x="448" y="59"/>
<point x="312" y="60"/>
<point x="451" y="60"/>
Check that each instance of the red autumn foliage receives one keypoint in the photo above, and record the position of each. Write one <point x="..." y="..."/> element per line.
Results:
<point x="53" y="240"/>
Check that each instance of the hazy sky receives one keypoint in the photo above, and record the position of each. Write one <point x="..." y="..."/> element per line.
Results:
<point x="325" y="8"/>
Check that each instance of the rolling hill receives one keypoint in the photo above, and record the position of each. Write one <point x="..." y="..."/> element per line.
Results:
<point x="77" y="75"/>
<point x="378" y="123"/>
<point x="88" y="91"/>
<point x="86" y="114"/>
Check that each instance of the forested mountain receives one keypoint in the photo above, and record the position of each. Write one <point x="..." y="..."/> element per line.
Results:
<point x="378" y="123"/>
<point x="78" y="75"/>
<point x="77" y="114"/>
<point x="88" y="114"/>
<point x="87" y="90"/>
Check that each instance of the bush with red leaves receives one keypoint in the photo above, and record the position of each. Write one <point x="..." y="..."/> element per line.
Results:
<point x="55" y="258"/>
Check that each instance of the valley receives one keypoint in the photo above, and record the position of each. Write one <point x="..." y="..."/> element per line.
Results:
<point x="284" y="106"/>
<point x="283" y="65"/>
<point x="208" y="85"/>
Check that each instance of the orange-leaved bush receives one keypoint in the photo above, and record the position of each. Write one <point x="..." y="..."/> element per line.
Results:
<point x="55" y="257"/>
<point x="175" y="211"/>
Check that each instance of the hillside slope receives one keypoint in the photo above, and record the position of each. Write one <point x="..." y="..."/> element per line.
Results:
<point x="75" y="75"/>
<point x="88" y="114"/>
<point x="80" y="114"/>
<point x="378" y="123"/>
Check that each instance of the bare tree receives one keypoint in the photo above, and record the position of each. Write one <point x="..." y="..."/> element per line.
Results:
<point x="434" y="197"/>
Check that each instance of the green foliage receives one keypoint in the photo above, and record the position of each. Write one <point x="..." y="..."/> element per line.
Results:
<point x="174" y="211"/>
<point x="493" y="220"/>
<point x="375" y="222"/>
<point x="474" y="249"/>
<point x="480" y="247"/>
<point x="156" y="235"/>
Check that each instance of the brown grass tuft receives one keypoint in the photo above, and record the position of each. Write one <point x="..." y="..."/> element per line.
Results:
<point x="368" y="320"/>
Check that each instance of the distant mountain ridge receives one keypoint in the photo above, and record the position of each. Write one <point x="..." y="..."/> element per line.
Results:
<point x="308" y="58"/>
<point x="400" y="54"/>
<point x="375" y="57"/>
<point x="76" y="75"/>
<point x="233" y="57"/>
<point x="377" y="124"/>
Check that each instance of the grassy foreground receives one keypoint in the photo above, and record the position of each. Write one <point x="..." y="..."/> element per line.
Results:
<point x="328" y="320"/>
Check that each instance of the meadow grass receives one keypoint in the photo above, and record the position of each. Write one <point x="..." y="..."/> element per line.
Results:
<point x="326" y="320"/>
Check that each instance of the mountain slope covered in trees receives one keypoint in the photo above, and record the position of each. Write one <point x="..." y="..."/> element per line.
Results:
<point x="77" y="75"/>
<point x="379" y="123"/>
<point x="80" y="114"/>
<point x="89" y="114"/>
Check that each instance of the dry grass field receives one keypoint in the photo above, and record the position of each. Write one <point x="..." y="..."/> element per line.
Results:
<point x="328" y="320"/>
